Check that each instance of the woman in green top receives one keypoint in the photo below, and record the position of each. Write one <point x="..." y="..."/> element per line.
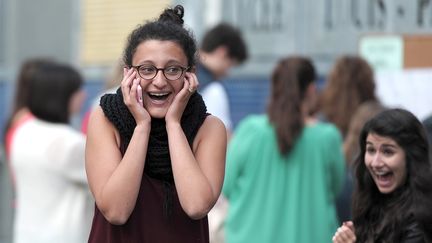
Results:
<point x="284" y="169"/>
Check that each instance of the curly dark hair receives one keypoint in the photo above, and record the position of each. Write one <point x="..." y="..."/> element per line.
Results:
<point x="383" y="216"/>
<point x="169" y="27"/>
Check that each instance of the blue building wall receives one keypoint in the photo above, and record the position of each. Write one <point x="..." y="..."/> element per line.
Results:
<point x="247" y="95"/>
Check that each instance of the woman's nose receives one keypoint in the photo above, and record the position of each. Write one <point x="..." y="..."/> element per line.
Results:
<point x="159" y="80"/>
<point x="376" y="160"/>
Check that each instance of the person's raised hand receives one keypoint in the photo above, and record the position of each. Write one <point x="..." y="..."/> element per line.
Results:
<point x="133" y="97"/>
<point x="176" y="109"/>
<point x="345" y="233"/>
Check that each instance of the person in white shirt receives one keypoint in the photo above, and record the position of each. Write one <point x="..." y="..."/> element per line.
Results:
<point x="54" y="203"/>
<point x="222" y="48"/>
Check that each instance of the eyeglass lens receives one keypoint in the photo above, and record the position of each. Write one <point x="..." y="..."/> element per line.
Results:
<point x="171" y="73"/>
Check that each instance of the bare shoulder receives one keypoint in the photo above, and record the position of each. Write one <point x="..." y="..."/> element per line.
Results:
<point x="99" y="125"/>
<point x="97" y="114"/>
<point x="212" y="128"/>
<point x="98" y="121"/>
<point x="213" y="124"/>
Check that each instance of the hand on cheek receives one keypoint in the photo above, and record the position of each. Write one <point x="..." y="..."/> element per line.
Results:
<point x="132" y="96"/>
<point x="190" y="83"/>
<point x="192" y="80"/>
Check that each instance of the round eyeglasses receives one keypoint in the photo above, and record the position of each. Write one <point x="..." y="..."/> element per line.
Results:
<point x="171" y="73"/>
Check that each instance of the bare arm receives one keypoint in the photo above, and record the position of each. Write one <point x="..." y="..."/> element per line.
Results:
<point x="115" y="180"/>
<point x="198" y="174"/>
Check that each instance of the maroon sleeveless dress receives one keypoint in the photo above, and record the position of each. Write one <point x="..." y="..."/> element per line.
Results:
<point x="148" y="224"/>
<point x="152" y="221"/>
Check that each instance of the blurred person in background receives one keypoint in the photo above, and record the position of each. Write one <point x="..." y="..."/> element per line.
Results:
<point x="393" y="193"/>
<point x="364" y="113"/>
<point x="284" y="169"/>
<point x="350" y="83"/>
<point x="47" y="157"/>
<point x="222" y="48"/>
<point x="351" y="149"/>
<point x="155" y="158"/>
<point x="20" y="113"/>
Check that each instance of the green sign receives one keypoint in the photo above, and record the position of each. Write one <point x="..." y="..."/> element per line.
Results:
<point x="382" y="52"/>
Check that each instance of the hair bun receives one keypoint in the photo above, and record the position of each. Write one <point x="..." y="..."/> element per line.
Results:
<point x="173" y="15"/>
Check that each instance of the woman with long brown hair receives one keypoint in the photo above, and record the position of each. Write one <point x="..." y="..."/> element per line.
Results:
<point x="284" y="169"/>
<point x="349" y="84"/>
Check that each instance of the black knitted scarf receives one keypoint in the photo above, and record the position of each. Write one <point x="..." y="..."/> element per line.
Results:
<point x="158" y="161"/>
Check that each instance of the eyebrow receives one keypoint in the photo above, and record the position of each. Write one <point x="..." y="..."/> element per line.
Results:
<point x="386" y="145"/>
<point x="151" y="62"/>
<point x="389" y="146"/>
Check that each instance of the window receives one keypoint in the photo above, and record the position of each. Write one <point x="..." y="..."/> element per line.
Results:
<point x="106" y="25"/>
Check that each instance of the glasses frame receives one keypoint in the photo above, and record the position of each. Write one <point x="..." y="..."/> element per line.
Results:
<point x="184" y="69"/>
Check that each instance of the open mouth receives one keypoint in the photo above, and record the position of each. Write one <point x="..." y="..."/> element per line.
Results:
<point x="159" y="96"/>
<point x="384" y="178"/>
<point x="384" y="175"/>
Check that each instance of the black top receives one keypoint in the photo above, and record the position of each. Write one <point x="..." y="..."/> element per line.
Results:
<point x="413" y="232"/>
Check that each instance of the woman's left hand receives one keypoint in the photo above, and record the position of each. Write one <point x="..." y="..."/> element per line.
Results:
<point x="175" y="111"/>
<point x="345" y="233"/>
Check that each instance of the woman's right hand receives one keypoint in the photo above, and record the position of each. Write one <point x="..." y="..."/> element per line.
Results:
<point x="345" y="233"/>
<point x="132" y="96"/>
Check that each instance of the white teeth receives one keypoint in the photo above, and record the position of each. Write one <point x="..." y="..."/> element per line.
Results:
<point x="158" y="94"/>
<point x="380" y="173"/>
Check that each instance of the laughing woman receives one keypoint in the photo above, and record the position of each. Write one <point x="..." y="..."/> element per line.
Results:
<point x="155" y="159"/>
<point x="391" y="202"/>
